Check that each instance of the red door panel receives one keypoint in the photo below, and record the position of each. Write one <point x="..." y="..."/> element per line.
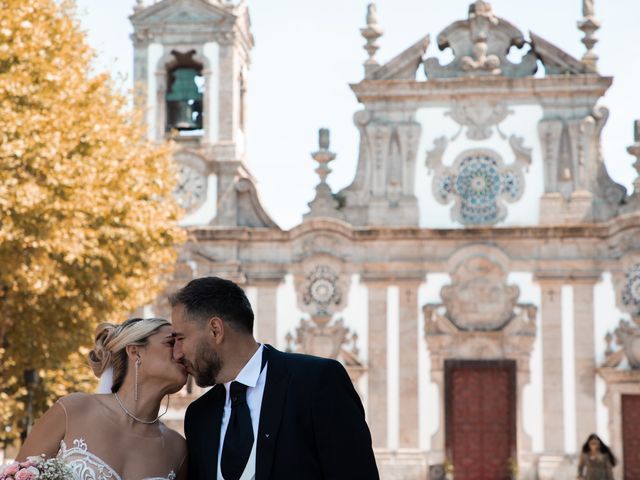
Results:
<point x="480" y="418"/>
<point x="631" y="436"/>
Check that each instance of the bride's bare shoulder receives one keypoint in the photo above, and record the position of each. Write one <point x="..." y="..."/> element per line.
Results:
<point x="80" y="402"/>
<point x="177" y="441"/>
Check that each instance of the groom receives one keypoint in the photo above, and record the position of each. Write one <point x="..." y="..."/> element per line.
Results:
<point x="270" y="415"/>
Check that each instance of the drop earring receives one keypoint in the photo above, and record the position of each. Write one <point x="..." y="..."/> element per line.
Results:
<point x="135" y="388"/>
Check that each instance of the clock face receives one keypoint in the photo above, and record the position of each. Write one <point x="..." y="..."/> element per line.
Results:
<point x="191" y="188"/>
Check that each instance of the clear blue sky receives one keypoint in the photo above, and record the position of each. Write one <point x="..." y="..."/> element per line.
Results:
<point x="308" y="51"/>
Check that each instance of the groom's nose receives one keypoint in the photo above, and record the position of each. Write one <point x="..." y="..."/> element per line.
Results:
<point x="178" y="354"/>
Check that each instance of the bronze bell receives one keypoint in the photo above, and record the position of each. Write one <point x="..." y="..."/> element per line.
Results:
<point x="184" y="100"/>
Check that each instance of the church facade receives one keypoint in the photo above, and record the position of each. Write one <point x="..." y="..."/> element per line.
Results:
<point x="451" y="304"/>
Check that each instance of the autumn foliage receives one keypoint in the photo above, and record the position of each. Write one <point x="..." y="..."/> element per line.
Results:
<point x="88" y="226"/>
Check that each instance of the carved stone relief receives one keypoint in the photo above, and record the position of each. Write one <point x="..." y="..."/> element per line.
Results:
<point x="631" y="290"/>
<point x="321" y="285"/>
<point x="383" y="190"/>
<point x="479" y="117"/>
<point x="626" y="279"/>
<point x="480" y="46"/>
<point x="447" y="340"/>
<point x="573" y="161"/>
<point x="479" y="298"/>
<point x="322" y="291"/>
<point x="627" y="337"/>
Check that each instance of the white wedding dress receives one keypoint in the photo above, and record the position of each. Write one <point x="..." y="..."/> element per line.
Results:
<point x="87" y="466"/>
<point x="97" y="447"/>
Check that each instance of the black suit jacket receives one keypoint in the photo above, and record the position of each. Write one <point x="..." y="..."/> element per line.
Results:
<point x="311" y="425"/>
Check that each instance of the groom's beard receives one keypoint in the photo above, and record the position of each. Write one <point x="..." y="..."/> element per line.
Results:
<point x="207" y="365"/>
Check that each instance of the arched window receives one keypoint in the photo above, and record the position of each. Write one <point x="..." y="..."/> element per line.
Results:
<point x="184" y="93"/>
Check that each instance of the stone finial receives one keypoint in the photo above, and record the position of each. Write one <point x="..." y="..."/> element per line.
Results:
<point x="589" y="25"/>
<point x="324" y="204"/>
<point x="289" y="339"/>
<point x="608" y="338"/>
<point x="483" y="9"/>
<point x="138" y="6"/>
<point x="587" y="8"/>
<point x="635" y="151"/>
<point x="372" y="32"/>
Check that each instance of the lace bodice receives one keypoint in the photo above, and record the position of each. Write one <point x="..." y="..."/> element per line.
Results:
<point x="87" y="466"/>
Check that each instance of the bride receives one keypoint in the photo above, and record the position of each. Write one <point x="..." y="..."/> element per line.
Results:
<point x="119" y="435"/>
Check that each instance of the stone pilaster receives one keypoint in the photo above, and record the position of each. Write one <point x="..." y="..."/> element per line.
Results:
<point x="408" y="364"/>
<point x="552" y="384"/>
<point x="266" y="308"/>
<point x="267" y="314"/>
<point x="377" y="401"/>
<point x="584" y="354"/>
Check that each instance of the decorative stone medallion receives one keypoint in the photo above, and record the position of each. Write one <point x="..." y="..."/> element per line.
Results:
<point x="322" y="289"/>
<point x="479" y="183"/>
<point x="631" y="291"/>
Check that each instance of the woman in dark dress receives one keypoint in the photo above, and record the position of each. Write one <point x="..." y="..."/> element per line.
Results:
<point x="596" y="460"/>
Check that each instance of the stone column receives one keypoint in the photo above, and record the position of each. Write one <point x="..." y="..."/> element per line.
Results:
<point x="226" y="99"/>
<point x="585" y="355"/>
<point x="267" y="314"/>
<point x="437" y="439"/>
<point x="408" y="364"/>
<point x="377" y="401"/>
<point x="552" y="385"/>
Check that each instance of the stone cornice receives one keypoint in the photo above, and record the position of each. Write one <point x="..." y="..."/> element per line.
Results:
<point x="589" y="231"/>
<point x="437" y="92"/>
<point x="614" y="375"/>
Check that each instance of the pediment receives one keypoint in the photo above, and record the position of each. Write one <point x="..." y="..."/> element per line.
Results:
<point x="555" y="60"/>
<point x="404" y="65"/>
<point x="183" y="12"/>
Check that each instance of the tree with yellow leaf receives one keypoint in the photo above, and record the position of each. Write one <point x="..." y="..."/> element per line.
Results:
<point x="88" y="225"/>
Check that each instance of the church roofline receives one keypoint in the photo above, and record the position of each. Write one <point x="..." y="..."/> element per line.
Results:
<point x="144" y="14"/>
<point x="555" y="60"/>
<point x="440" y="91"/>
<point x="404" y="65"/>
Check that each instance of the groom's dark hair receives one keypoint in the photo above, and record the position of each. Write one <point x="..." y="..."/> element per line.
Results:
<point x="208" y="297"/>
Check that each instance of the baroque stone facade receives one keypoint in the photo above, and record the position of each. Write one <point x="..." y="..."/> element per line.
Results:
<point x="409" y="308"/>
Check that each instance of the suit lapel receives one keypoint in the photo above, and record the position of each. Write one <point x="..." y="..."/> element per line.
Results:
<point x="273" y="400"/>
<point x="210" y="431"/>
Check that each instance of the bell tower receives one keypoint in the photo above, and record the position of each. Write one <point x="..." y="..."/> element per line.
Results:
<point x="191" y="61"/>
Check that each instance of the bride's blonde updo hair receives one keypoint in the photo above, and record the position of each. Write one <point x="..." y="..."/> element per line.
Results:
<point x="111" y="343"/>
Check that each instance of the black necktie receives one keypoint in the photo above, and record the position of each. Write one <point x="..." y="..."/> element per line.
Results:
<point x="238" y="440"/>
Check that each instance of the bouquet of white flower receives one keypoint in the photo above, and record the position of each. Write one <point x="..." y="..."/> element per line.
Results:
<point x="36" y="468"/>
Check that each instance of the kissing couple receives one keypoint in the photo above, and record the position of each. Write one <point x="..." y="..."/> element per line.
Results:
<point x="269" y="415"/>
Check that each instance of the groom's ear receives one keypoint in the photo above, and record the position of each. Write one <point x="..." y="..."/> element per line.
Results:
<point x="216" y="329"/>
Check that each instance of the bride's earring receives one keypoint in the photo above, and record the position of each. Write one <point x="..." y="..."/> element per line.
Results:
<point x="135" y="388"/>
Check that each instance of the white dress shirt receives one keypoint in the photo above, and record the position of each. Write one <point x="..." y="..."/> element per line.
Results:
<point x="255" y="380"/>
